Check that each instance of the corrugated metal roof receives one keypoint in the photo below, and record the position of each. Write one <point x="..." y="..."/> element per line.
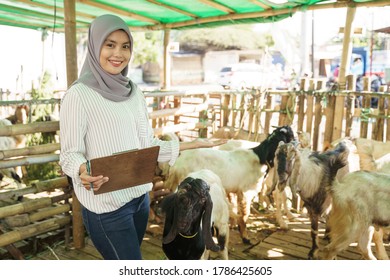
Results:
<point x="162" y="14"/>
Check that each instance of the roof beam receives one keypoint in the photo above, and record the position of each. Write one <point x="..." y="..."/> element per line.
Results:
<point x="18" y="23"/>
<point x="50" y="7"/>
<point x="267" y="13"/>
<point x="217" y="6"/>
<point x="260" y="4"/>
<point x="119" y="11"/>
<point x="25" y="12"/>
<point x="173" y="8"/>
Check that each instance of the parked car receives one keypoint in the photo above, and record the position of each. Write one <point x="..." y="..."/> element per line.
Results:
<point x="241" y="75"/>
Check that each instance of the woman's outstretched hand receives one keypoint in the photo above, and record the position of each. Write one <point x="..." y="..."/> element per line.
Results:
<point x="201" y="143"/>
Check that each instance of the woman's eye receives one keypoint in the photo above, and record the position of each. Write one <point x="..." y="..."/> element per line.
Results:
<point x="110" y="45"/>
<point x="126" y="46"/>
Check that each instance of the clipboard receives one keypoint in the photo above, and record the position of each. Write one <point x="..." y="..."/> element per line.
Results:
<point x="126" y="169"/>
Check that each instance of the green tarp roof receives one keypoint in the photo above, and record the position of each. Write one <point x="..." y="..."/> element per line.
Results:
<point x="162" y="14"/>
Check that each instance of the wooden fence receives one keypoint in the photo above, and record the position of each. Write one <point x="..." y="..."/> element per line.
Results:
<point x="41" y="207"/>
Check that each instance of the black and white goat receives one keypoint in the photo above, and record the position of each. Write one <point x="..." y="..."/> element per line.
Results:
<point x="240" y="169"/>
<point x="199" y="203"/>
<point x="310" y="174"/>
<point x="361" y="208"/>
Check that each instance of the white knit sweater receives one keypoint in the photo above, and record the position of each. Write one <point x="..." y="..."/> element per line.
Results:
<point x="92" y="126"/>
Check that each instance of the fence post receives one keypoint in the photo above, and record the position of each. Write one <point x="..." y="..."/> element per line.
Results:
<point x="350" y="103"/>
<point x="301" y="103"/>
<point x="268" y="115"/>
<point x="364" y="118"/>
<point x="225" y="109"/>
<point x="310" y="108"/>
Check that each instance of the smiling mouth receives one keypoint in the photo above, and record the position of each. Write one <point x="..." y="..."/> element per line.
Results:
<point x="115" y="63"/>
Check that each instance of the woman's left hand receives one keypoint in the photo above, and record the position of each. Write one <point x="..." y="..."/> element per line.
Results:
<point x="207" y="143"/>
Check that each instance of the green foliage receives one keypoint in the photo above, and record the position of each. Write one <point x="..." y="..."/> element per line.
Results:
<point x="241" y="37"/>
<point x="49" y="170"/>
<point x="146" y="47"/>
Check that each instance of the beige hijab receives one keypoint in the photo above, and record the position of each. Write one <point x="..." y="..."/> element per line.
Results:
<point x="113" y="87"/>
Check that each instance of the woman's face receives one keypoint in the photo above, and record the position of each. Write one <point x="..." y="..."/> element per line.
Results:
<point x="115" y="53"/>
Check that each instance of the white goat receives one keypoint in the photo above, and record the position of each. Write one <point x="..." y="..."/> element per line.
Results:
<point x="239" y="169"/>
<point x="372" y="154"/>
<point x="360" y="203"/>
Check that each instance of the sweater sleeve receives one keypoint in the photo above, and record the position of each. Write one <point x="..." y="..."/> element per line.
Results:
<point x="73" y="126"/>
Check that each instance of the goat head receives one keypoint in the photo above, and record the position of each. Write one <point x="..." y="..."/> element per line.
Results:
<point x="192" y="205"/>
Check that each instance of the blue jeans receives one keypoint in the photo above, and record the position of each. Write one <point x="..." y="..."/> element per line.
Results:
<point x="118" y="235"/>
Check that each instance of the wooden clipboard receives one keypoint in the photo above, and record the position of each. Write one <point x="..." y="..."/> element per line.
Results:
<point x="126" y="169"/>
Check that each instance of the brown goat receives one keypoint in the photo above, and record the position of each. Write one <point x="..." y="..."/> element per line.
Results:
<point x="310" y="174"/>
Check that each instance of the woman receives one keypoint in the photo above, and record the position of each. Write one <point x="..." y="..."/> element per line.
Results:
<point x="102" y="113"/>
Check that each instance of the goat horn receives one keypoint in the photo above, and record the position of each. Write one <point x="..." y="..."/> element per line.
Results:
<point x="206" y="226"/>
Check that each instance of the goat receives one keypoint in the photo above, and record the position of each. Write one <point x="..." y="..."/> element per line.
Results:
<point x="310" y="174"/>
<point x="6" y="143"/>
<point x="266" y="183"/>
<point x="240" y="169"/>
<point x="370" y="155"/>
<point x="360" y="204"/>
<point x="200" y="200"/>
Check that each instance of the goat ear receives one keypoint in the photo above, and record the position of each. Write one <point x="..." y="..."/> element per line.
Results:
<point x="170" y="228"/>
<point x="206" y="226"/>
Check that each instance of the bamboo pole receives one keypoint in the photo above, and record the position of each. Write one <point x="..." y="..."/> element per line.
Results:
<point x="344" y="66"/>
<point x="251" y="113"/>
<point x="72" y="74"/>
<point x="167" y="61"/>
<point x="38" y="159"/>
<point x="380" y="122"/>
<point x="15" y="252"/>
<point x="203" y="118"/>
<point x="25" y="219"/>
<point x="268" y="115"/>
<point x="179" y="111"/>
<point x="33" y="230"/>
<point x="310" y="107"/>
<point x="364" y="119"/>
<point x="225" y="109"/>
<point x="283" y="109"/>
<point x="317" y="121"/>
<point x="301" y="104"/>
<point x="234" y="110"/>
<point x="290" y="108"/>
<point x="18" y="129"/>
<point x="350" y="106"/>
<point x="42" y="186"/>
<point x="33" y="150"/>
<point x="31" y="205"/>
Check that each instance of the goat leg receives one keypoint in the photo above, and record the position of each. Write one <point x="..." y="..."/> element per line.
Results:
<point x="378" y="240"/>
<point x="243" y="210"/>
<point x="313" y="254"/>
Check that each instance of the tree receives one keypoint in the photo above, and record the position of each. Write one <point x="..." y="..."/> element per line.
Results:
<point x="236" y="37"/>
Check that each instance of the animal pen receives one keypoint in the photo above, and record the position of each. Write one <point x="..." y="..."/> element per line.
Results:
<point x="43" y="210"/>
